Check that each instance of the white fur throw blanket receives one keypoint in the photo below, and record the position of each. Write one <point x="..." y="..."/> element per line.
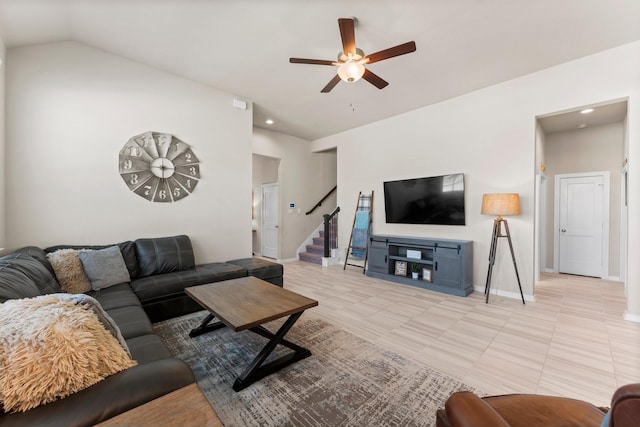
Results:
<point x="51" y="348"/>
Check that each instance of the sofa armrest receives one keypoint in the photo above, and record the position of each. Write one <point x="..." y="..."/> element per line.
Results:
<point x="108" y="398"/>
<point x="625" y="406"/>
<point x="465" y="409"/>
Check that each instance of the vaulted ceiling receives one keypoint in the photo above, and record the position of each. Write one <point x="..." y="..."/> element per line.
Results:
<point x="243" y="46"/>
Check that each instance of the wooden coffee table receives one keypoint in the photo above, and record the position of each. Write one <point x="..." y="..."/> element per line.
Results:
<point x="247" y="303"/>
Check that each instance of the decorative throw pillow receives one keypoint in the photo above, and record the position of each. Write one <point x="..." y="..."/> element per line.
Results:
<point x="104" y="267"/>
<point x="92" y="304"/>
<point x="69" y="271"/>
<point x="51" y="348"/>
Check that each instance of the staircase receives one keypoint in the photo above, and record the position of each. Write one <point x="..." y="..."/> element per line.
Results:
<point x="321" y="248"/>
<point x="315" y="251"/>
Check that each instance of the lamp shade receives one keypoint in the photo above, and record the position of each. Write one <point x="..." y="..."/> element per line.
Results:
<point x="501" y="204"/>
<point x="351" y="71"/>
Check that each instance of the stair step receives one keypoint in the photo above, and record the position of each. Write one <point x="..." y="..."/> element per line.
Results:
<point x="316" y="249"/>
<point x="320" y="241"/>
<point x="310" y="257"/>
<point x="335" y="231"/>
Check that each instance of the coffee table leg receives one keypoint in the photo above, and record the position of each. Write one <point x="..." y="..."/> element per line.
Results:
<point x="256" y="370"/>
<point x="205" y="326"/>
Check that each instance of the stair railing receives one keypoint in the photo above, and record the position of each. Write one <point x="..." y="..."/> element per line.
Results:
<point x="330" y="231"/>
<point x="317" y="205"/>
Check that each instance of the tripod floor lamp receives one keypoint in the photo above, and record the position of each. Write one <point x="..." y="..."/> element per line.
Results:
<point x="500" y="204"/>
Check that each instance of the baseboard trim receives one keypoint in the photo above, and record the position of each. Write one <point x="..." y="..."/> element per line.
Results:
<point x="635" y="318"/>
<point x="287" y="260"/>
<point x="506" y="294"/>
<point x="610" y="278"/>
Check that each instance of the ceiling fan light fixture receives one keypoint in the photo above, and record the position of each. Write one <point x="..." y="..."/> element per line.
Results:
<point x="351" y="60"/>
<point x="351" y="71"/>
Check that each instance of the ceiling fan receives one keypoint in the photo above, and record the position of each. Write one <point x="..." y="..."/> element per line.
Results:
<point x="351" y="60"/>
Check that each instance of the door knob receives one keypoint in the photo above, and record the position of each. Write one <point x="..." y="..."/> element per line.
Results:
<point x="563" y="230"/>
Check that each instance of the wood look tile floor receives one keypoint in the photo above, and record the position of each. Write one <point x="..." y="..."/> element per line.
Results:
<point x="573" y="341"/>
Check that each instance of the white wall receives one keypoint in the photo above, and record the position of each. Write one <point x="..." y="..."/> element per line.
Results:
<point x="3" y="67"/>
<point x="304" y="178"/>
<point x="71" y="108"/>
<point x="490" y="136"/>
<point x="593" y="149"/>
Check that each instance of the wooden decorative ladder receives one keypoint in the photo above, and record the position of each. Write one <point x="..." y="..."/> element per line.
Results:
<point x="360" y="231"/>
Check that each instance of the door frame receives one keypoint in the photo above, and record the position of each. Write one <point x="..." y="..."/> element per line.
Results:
<point x="540" y="257"/>
<point x="604" y="268"/>
<point x="264" y="207"/>
<point x="624" y="218"/>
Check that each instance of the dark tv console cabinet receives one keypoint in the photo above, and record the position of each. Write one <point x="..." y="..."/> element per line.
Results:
<point x="450" y="262"/>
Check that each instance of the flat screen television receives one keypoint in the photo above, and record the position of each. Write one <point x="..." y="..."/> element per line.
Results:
<point x="430" y="200"/>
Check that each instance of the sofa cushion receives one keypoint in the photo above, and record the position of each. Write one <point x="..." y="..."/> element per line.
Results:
<point x="258" y="267"/>
<point x="116" y="296"/>
<point x="104" y="267"/>
<point x="69" y="271"/>
<point x="165" y="286"/>
<point x="77" y="350"/>
<point x="164" y="255"/>
<point x="22" y="276"/>
<point x="132" y="321"/>
<point x="126" y="248"/>
<point x="169" y="308"/>
<point x="148" y="348"/>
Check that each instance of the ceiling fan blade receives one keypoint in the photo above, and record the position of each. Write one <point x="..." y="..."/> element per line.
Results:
<point x="310" y="61"/>
<point x="334" y="81"/>
<point x="348" y="35"/>
<point x="374" y="79"/>
<point x="401" y="49"/>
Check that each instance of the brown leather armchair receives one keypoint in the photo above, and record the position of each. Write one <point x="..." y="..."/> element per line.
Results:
<point x="465" y="409"/>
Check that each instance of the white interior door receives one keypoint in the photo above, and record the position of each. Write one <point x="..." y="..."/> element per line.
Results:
<point x="581" y="224"/>
<point x="270" y="220"/>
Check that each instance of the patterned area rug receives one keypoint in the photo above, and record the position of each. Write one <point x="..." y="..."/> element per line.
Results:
<point x="346" y="382"/>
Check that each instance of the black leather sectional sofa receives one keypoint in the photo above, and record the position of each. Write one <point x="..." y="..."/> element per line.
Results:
<point x="159" y="269"/>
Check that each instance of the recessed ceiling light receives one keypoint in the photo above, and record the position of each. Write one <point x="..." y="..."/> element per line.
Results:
<point x="586" y="111"/>
<point x="269" y="121"/>
<point x="582" y="126"/>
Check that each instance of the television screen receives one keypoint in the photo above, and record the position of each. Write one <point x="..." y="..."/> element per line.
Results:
<point x="431" y="200"/>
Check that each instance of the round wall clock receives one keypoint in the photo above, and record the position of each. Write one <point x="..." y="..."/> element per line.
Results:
<point x="159" y="167"/>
